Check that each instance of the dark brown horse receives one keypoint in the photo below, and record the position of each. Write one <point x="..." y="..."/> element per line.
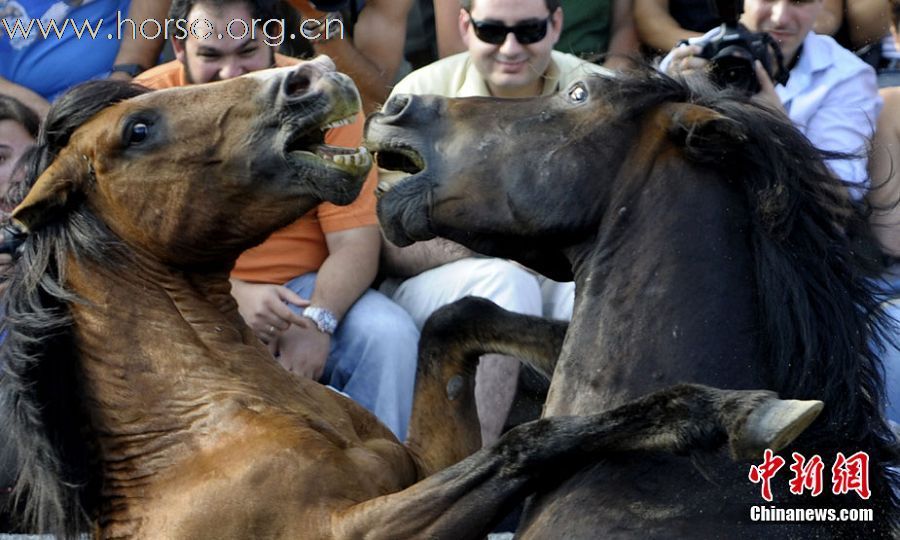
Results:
<point x="708" y="244"/>
<point x="141" y="405"/>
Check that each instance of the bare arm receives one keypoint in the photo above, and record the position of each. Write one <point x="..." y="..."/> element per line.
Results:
<point x="884" y="170"/>
<point x="868" y="21"/>
<point x="421" y="256"/>
<point x="623" y="42"/>
<point x="135" y="48"/>
<point x="27" y="96"/>
<point x="656" y="27"/>
<point x="344" y="276"/>
<point x="375" y="54"/>
<point x="830" y="18"/>
<point x="446" y="26"/>
<point x="349" y="269"/>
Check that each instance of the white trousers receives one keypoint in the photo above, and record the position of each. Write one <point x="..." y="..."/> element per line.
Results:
<point x="506" y="283"/>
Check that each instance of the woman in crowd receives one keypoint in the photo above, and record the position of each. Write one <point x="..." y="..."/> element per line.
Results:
<point x="18" y="132"/>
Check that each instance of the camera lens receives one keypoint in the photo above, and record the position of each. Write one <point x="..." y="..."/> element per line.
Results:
<point x="733" y="67"/>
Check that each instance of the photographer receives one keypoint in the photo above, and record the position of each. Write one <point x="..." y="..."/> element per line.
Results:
<point x="831" y="96"/>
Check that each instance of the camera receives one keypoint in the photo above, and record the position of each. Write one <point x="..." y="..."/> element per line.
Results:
<point x="732" y="52"/>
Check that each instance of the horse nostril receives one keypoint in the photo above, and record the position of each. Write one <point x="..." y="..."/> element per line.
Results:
<point x="304" y="77"/>
<point x="297" y="84"/>
<point x="395" y="105"/>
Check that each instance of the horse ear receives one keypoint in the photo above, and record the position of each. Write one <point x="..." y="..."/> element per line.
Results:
<point x="52" y="191"/>
<point x="704" y="134"/>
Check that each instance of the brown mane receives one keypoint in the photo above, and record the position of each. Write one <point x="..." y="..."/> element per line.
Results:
<point x="39" y="399"/>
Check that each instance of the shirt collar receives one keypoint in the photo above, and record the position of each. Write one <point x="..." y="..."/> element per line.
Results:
<point x="475" y="85"/>
<point x="816" y="57"/>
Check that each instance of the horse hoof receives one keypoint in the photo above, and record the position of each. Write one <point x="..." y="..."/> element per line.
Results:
<point x="774" y="425"/>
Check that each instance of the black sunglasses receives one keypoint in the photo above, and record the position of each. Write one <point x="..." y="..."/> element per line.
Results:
<point x="495" y="33"/>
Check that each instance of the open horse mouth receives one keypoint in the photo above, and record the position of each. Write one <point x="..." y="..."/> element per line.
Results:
<point x="393" y="143"/>
<point x="311" y="144"/>
<point x="405" y="190"/>
<point x="313" y="98"/>
<point x="399" y="163"/>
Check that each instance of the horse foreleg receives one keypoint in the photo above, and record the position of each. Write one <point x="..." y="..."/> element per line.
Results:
<point x="444" y="427"/>
<point x="474" y="325"/>
<point x="464" y="500"/>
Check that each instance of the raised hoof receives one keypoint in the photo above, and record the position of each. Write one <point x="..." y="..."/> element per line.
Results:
<point x="773" y="425"/>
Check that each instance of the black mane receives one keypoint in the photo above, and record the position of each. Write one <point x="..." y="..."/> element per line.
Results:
<point x="40" y="407"/>
<point x="817" y="266"/>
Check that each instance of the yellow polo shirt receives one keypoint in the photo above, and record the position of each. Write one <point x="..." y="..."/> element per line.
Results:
<point x="456" y="76"/>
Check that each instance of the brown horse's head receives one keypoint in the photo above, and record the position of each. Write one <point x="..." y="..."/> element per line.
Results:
<point x="232" y="161"/>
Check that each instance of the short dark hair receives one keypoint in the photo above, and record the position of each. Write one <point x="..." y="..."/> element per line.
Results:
<point x="895" y="13"/>
<point x="13" y="109"/>
<point x="551" y="5"/>
<point x="264" y="10"/>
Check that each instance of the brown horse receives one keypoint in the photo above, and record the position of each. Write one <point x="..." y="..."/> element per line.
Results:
<point x="141" y="405"/>
<point x="708" y="243"/>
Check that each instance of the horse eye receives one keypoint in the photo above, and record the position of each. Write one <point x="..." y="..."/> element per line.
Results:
<point x="139" y="132"/>
<point x="578" y="94"/>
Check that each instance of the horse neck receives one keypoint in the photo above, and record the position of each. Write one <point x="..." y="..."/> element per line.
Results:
<point x="151" y="341"/>
<point x="665" y="291"/>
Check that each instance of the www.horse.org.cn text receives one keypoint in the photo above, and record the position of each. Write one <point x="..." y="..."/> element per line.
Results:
<point x="272" y="31"/>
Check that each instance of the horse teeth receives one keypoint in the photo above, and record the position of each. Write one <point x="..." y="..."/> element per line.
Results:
<point x="339" y="123"/>
<point x="360" y="159"/>
<point x="365" y="159"/>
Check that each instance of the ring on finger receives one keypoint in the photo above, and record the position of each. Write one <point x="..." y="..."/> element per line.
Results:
<point x="271" y="329"/>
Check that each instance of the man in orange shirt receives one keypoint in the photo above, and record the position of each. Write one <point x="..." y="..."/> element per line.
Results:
<point x="305" y="290"/>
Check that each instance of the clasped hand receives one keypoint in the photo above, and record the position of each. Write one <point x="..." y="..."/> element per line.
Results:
<point x="293" y="339"/>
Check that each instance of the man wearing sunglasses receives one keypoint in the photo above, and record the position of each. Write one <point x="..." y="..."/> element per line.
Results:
<point x="510" y="55"/>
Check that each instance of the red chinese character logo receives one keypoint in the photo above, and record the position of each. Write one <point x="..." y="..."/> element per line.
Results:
<point x="851" y="474"/>
<point x="806" y="475"/>
<point x="764" y="472"/>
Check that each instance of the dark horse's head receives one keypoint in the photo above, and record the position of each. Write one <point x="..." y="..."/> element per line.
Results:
<point x="548" y="180"/>
<point x="120" y="173"/>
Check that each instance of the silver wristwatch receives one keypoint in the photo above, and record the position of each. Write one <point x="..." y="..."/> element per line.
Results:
<point x="325" y="320"/>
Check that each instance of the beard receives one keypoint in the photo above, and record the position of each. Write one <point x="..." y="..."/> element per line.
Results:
<point x="189" y="75"/>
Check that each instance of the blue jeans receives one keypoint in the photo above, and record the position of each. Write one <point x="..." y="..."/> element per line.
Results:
<point x="890" y="358"/>
<point x="373" y="355"/>
<point x="888" y="78"/>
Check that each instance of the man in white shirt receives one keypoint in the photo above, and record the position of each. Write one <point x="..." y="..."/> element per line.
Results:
<point x="831" y="95"/>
